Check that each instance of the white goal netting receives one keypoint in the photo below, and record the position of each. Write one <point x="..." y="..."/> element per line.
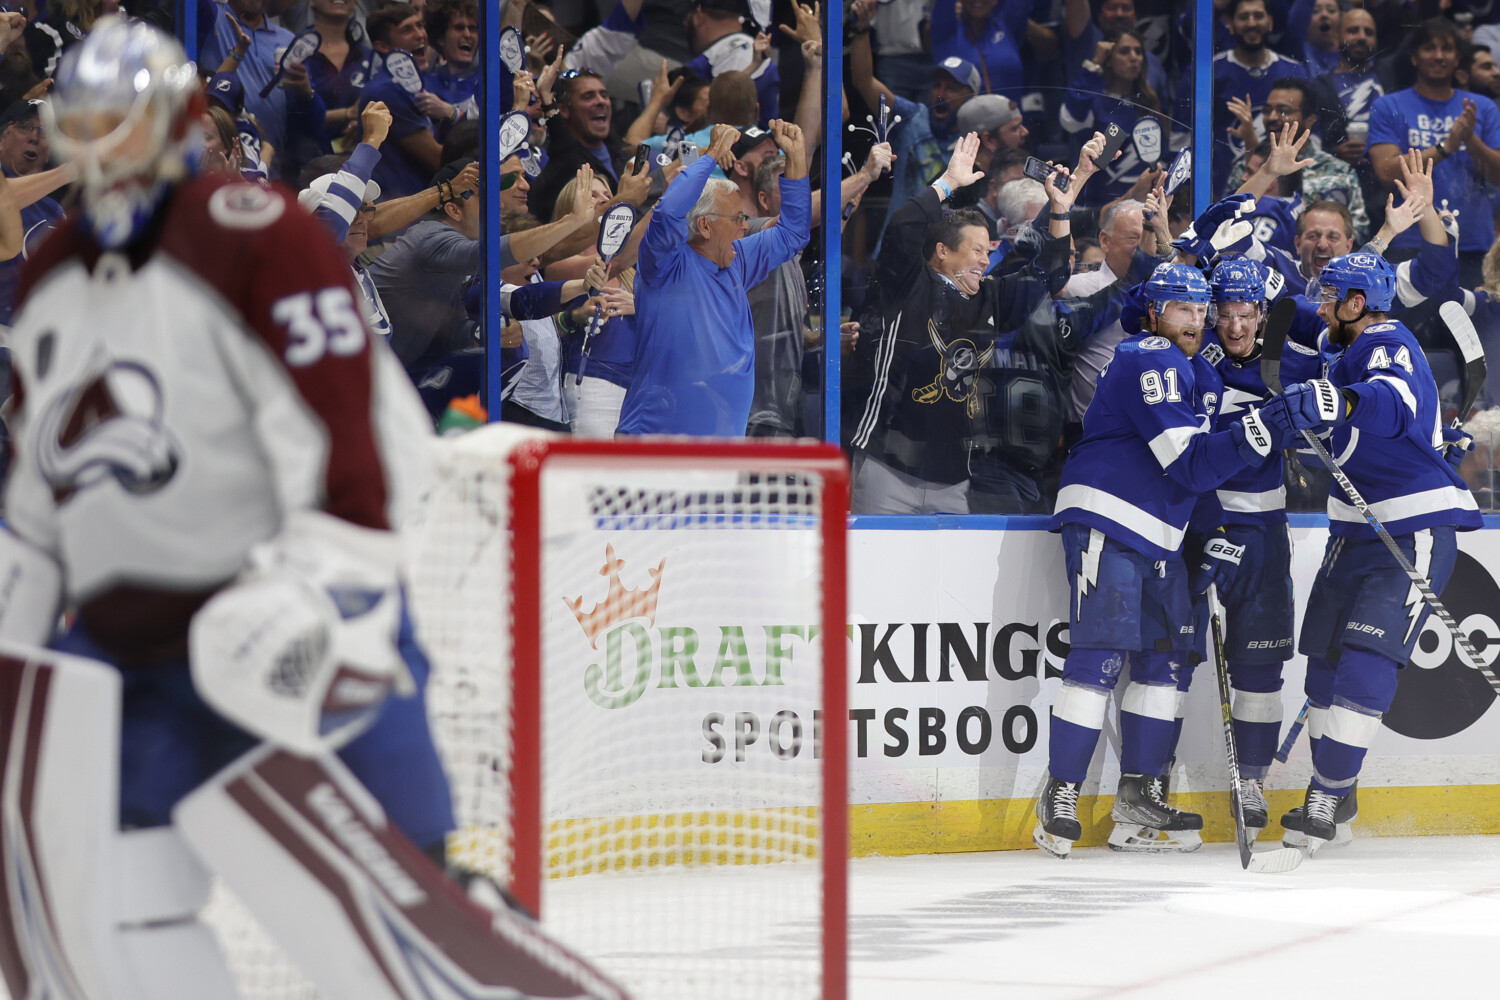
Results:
<point x="678" y="625"/>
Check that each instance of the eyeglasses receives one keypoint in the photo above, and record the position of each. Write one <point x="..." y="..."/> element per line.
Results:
<point x="739" y="217"/>
<point x="367" y="209"/>
<point x="573" y="74"/>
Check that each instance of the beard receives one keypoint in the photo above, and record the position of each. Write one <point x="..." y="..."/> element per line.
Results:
<point x="1245" y="42"/>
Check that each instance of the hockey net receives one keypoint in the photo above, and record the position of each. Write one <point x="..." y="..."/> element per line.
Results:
<point x="662" y="775"/>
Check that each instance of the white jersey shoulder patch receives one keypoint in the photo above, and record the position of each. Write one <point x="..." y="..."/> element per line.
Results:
<point x="1155" y="343"/>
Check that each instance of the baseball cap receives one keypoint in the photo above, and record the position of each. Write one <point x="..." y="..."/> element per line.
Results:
<point x="985" y="113"/>
<point x="313" y="196"/>
<point x="227" y="90"/>
<point x="19" y="110"/>
<point x="749" y="139"/>
<point x="961" y="70"/>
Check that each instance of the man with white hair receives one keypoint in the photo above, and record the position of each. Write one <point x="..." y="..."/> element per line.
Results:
<point x="695" y="363"/>
<point x="1121" y="226"/>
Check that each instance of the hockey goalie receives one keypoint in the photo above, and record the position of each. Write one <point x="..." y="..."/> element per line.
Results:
<point x="209" y="456"/>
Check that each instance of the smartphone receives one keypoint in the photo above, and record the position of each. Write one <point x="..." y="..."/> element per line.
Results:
<point x="642" y="158"/>
<point x="1040" y="170"/>
<point x="1114" y="138"/>
<point x="688" y="153"/>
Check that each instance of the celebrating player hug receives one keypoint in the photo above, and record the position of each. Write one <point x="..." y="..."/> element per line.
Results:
<point x="1176" y="491"/>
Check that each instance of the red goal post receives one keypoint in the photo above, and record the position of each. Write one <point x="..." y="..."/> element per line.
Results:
<point x="687" y="788"/>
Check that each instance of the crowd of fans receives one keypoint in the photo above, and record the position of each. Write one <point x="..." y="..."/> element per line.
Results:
<point x="981" y="291"/>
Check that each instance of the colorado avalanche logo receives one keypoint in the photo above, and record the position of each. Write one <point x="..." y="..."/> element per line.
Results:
<point x="107" y="426"/>
<point x="959" y="361"/>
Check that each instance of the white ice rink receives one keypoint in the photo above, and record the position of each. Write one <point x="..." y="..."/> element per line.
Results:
<point x="1384" y="917"/>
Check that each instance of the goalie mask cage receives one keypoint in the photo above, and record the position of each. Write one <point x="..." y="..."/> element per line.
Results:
<point x="662" y="777"/>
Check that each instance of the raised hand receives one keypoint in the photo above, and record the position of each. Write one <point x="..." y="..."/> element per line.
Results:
<point x="879" y="161"/>
<point x="808" y="27"/>
<point x="789" y="139"/>
<point x="547" y="78"/>
<point x="663" y="88"/>
<point x="961" y="172"/>
<point x="1244" y="114"/>
<point x="864" y="13"/>
<point x="540" y="44"/>
<point x="760" y="51"/>
<point x="582" y="209"/>
<point x="1088" y="165"/>
<point x="375" y="123"/>
<point x="635" y="185"/>
<point x="1400" y="218"/>
<point x="1284" y="149"/>
<point x="721" y="145"/>
<point x="468" y="179"/>
<point x="812" y="55"/>
<point x="1463" y="126"/>
<point x="1416" y="175"/>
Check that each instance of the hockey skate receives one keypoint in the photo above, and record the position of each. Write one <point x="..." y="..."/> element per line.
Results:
<point x="1145" y="823"/>
<point x="1253" y="804"/>
<point x="1345" y="812"/>
<point x="1058" y="828"/>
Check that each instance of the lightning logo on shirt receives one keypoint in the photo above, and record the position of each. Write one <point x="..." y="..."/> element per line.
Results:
<point x="1413" y="607"/>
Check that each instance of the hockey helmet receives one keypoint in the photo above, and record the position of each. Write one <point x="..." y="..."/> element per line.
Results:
<point x="120" y="111"/>
<point x="1238" y="279"/>
<point x="1363" y="272"/>
<point x="1175" y="283"/>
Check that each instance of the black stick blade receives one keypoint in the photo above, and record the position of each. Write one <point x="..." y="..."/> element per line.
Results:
<point x="1273" y="341"/>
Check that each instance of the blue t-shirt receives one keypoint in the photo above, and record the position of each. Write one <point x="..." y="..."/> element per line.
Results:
<point x="1357" y="93"/>
<point x="399" y="173"/>
<point x="339" y="88"/>
<point x="1407" y="120"/>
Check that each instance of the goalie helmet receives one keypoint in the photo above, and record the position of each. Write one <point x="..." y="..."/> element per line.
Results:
<point x="123" y="111"/>
<point x="1363" y="272"/>
<point x="1238" y="279"/>
<point x="1175" y="283"/>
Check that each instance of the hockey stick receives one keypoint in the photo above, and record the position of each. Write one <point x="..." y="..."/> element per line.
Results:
<point x="1282" y="859"/>
<point x="1285" y="750"/>
<point x="1475" y="368"/>
<point x="1270" y="370"/>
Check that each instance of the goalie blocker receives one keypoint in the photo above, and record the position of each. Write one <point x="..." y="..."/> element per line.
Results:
<point x="95" y="913"/>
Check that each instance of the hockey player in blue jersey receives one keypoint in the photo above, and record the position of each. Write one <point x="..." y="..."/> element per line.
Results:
<point x="1127" y="492"/>
<point x="1364" y="616"/>
<point x="1248" y="512"/>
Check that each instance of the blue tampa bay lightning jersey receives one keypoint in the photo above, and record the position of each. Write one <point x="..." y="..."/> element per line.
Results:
<point x="1256" y="495"/>
<point x="1147" y="449"/>
<point x="1389" y="448"/>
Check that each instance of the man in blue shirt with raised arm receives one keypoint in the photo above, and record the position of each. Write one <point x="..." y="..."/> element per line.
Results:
<point x="695" y="368"/>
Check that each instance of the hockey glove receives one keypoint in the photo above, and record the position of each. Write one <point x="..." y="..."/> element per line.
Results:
<point x="1456" y="445"/>
<point x="1255" y="439"/>
<point x="1221" y="560"/>
<point x="1314" y="405"/>
<point x="1218" y="228"/>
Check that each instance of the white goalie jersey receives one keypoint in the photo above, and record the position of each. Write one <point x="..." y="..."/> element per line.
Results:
<point x="174" y="406"/>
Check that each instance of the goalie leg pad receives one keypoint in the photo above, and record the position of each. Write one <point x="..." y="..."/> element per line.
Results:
<point x="88" y="913"/>
<point x="30" y="591"/>
<point x="355" y="903"/>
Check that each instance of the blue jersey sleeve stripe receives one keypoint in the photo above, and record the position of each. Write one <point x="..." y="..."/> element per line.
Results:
<point x="1402" y="389"/>
<point x="1078" y="496"/>
<point x="1238" y="502"/>
<point x="1169" y="445"/>
<point x="1400" y="508"/>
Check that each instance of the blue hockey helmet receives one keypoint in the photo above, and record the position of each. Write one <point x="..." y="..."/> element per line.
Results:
<point x="1238" y="279"/>
<point x="1363" y="272"/>
<point x="1175" y="283"/>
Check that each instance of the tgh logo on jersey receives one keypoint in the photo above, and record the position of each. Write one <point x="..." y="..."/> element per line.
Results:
<point x="958" y="360"/>
<point x="1437" y="695"/>
<point x="107" y="426"/>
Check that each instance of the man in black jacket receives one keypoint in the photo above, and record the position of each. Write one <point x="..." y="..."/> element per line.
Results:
<point x="910" y="391"/>
<point x="579" y="133"/>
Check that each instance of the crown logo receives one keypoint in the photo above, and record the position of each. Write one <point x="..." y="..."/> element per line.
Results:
<point x="619" y="604"/>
